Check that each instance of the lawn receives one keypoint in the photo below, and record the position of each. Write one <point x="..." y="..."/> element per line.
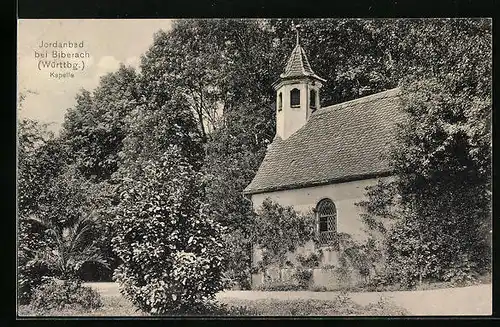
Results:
<point x="340" y="305"/>
<point x="472" y="300"/>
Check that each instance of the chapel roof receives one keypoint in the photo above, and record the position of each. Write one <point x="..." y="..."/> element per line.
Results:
<point x="343" y="142"/>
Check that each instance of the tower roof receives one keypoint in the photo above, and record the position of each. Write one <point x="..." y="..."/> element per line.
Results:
<point x="298" y="65"/>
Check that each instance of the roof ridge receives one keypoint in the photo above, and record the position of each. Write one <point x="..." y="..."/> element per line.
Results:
<point x="369" y="98"/>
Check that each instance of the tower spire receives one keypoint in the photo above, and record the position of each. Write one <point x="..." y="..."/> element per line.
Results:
<point x="298" y="64"/>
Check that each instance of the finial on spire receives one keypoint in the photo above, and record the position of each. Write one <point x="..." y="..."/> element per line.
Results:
<point x="296" y="28"/>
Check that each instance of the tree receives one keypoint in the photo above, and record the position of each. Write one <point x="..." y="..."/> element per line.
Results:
<point x="39" y="160"/>
<point x="352" y="54"/>
<point x="95" y="128"/>
<point x="53" y="218"/>
<point x="172" y="253"/>
<point x="442" y="158"/>
<point x="93" y="132"/>
<point x="233" y="156"/>
<point x="213" y="64"/>
<point x="280" y="230"/>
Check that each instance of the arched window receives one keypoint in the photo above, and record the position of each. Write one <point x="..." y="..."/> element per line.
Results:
<point x="327" y="222"/>
<point x="295" y="98"/>
<point x="280" y="101"/>
<point x="312" y="98"/>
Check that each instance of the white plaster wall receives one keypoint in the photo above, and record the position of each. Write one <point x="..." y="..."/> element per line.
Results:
<point x="289" y="120"/>
<point x="344" y="195"/>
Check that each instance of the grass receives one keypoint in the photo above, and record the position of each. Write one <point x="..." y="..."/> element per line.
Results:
<point x="312" y="307"/>
<point x="113" y="305"/>
<point x="342" y="305"/>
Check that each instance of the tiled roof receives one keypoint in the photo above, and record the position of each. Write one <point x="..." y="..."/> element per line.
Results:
<point x="298" y="65"/>
<point x="339" y="143"/>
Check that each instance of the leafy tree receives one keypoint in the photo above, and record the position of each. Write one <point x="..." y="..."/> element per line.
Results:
<point x="441" y="194"/>
<point x="52" y="204"/>
<point x="233" y="156"/>
<point x="95" y="128"/>
<point x="352" y="54"/>
<point x="93" y="132"/>
<point x="39" y="160"/>
<point x="280" y="230"/>
<point x="172" y="253"/>
<point x="215" y="64"/>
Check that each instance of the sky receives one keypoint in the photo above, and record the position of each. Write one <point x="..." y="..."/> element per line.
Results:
<point x="108" y="43"/>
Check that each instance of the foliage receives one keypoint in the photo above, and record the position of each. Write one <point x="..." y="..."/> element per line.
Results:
<point x="59" y="295"/>
<point x="342" y="305"/>
<point x="238" y="249"/>
<point x="30" y="271"/>
<point x="303" y="276"/>
<point x="43" y="194"/>
<point x="172" y="253"/>
<point x="442" y="161"/>
<point x="309" y="260"/>
<point x="359" y="48"/>
<point x="69" y="247"/>
<point x="231" y="161"/>
<point x="280" y="230"/>
<point x="95" y="128"/>
<point x="31" y="136"/>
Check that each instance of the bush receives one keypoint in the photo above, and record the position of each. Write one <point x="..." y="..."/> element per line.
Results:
<point x="172" y="253"/>
<point x="278" y="231"/>
<point x="303" y="277"/>
<point x="57" y="294"/>
<point x="318" y="288"/>
<point x="462" y="272"/>
<point x="29" y="278"/>
<point x="30" y="269"/>
<point x="280" y="286"/>
<point x="238" y="249"/>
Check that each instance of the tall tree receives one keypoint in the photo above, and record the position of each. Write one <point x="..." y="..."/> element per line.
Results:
<point x="95" y="128"/>
<point x="442" y="162"/>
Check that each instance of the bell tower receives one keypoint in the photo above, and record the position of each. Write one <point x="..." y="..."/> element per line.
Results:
<point x="297" y="92"/>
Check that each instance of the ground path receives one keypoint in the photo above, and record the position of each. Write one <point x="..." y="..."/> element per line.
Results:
<point x="471" y="300"/>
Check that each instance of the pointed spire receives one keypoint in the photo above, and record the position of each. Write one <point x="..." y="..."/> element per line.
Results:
<point x="298" y="64"/>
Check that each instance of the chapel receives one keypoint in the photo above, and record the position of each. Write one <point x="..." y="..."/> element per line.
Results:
<point x="322" y="158"/>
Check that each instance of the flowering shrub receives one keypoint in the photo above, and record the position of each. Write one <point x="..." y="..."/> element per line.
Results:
<point x="172" y="252"/>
